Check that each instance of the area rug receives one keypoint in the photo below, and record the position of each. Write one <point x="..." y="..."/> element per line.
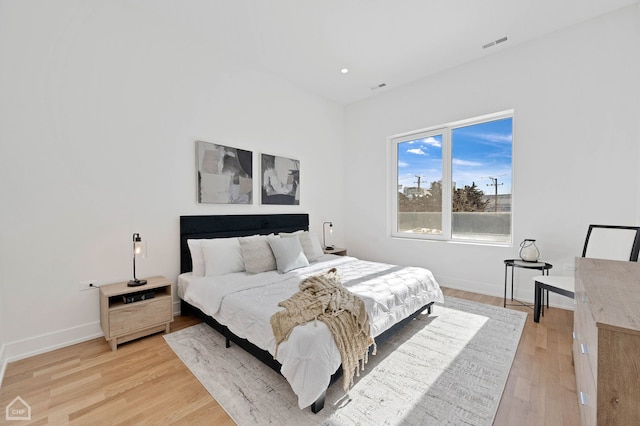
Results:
<point x="449" y="367"/>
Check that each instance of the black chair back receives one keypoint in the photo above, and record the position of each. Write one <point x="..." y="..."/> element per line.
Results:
<point x="612" y="242"/>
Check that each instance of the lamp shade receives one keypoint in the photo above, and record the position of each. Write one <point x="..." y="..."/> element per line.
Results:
<point x="324" y="235"/>
<point x="139" y="250"/>
<point x="139" y="247"/>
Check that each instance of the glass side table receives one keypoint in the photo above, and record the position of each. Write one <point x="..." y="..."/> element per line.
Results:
<point x="543" y="267"/>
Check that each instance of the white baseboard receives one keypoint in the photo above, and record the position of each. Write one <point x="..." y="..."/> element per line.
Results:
<point x="37" y="345"/>
<point x="14" y="351"/>
<point x="3" y="364"/>
<point x="491" y="290"/>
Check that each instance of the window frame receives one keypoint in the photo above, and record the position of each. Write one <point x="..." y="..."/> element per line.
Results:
<point x="447" y="167"/>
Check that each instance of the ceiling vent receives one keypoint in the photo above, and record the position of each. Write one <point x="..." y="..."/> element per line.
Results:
<point x="493" y="43"/>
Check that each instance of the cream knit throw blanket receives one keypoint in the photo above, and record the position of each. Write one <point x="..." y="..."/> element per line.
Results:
<point x="322" y="297"/>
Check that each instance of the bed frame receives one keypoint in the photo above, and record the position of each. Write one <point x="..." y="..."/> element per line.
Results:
<point x="222" y="226"/>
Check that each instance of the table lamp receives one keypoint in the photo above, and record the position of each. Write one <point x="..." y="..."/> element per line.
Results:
<point x="139" y="250"/>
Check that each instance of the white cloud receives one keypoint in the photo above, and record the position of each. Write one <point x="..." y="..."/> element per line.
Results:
<point x="496" y="137"/>
<point x="432" y="141"/>
<point x="402" y="164"/>
<point x="417" y="151"/>
<point x="458" y="162"/>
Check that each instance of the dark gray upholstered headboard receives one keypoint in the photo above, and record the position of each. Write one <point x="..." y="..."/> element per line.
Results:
<point x="221" y="226"/>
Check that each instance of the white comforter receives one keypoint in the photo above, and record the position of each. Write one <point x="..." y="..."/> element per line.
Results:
<point x="245" y="303"/>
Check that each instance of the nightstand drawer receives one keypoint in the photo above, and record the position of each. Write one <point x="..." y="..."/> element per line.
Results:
<point x="139" y="315"/>
<point x="336" y="250"/>
<point x="122" y="322"/>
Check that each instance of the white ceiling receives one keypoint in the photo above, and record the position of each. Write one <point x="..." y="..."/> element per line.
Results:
<point x="380" y="41"/>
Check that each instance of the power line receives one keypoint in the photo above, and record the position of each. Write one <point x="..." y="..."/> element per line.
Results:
<point x="418" y="182"/>
<point x="494" y="183"/>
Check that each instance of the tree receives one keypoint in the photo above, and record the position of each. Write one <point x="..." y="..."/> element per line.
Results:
<point x="434" y="202"/>
<point x="430" y="201"/>
<point x="468" y="199"/>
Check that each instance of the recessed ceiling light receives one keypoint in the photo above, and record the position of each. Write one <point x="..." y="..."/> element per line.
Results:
<point x="344" y="70"/>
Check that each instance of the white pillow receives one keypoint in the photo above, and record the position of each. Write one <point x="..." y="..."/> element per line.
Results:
<point x="257" y="254"/>
<point x="222" y="256"/>
<point x="310" y="244"/>
<point x="197" y="257"/>
<point x="288" y="253"/>
<point x="316" y="246"/>
<point x="290" y="234"/>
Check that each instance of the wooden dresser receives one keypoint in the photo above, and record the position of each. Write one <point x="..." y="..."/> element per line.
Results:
<point x="606" y="347"/>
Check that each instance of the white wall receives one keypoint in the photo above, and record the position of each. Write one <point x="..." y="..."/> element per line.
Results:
<point x="101" y="104"/>
<point x="576" y="149"/>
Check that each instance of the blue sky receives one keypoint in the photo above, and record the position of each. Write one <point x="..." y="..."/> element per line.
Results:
<point x="479" y="151"/>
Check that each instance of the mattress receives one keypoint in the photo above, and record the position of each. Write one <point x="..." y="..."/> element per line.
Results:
<point x="245" y="302"/>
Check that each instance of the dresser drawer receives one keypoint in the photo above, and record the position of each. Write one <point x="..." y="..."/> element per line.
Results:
<point x="140" y="315"/>
<point x="607" y="344"/>
<point x="585" y="386"/>
<point x="587" y="399"/>
<point x="588" y="338"/>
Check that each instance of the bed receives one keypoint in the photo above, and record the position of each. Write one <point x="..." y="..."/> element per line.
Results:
<point x="238" y="303"/>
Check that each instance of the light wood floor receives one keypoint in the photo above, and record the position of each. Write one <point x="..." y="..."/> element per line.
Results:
<point x="144" y="382"/>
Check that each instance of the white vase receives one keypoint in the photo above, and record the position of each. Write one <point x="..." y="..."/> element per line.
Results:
<point x="528" y="251"/>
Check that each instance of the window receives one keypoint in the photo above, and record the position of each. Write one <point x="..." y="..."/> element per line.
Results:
<point x="453" y="182"/>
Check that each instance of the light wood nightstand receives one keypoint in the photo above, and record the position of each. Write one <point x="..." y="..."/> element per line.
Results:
<point x="122" y="322"/>
<point x="336" y="250"/>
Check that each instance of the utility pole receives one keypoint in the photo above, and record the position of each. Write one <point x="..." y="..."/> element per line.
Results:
<point x="494" y="183"/>
<point x="419" y="177"/>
